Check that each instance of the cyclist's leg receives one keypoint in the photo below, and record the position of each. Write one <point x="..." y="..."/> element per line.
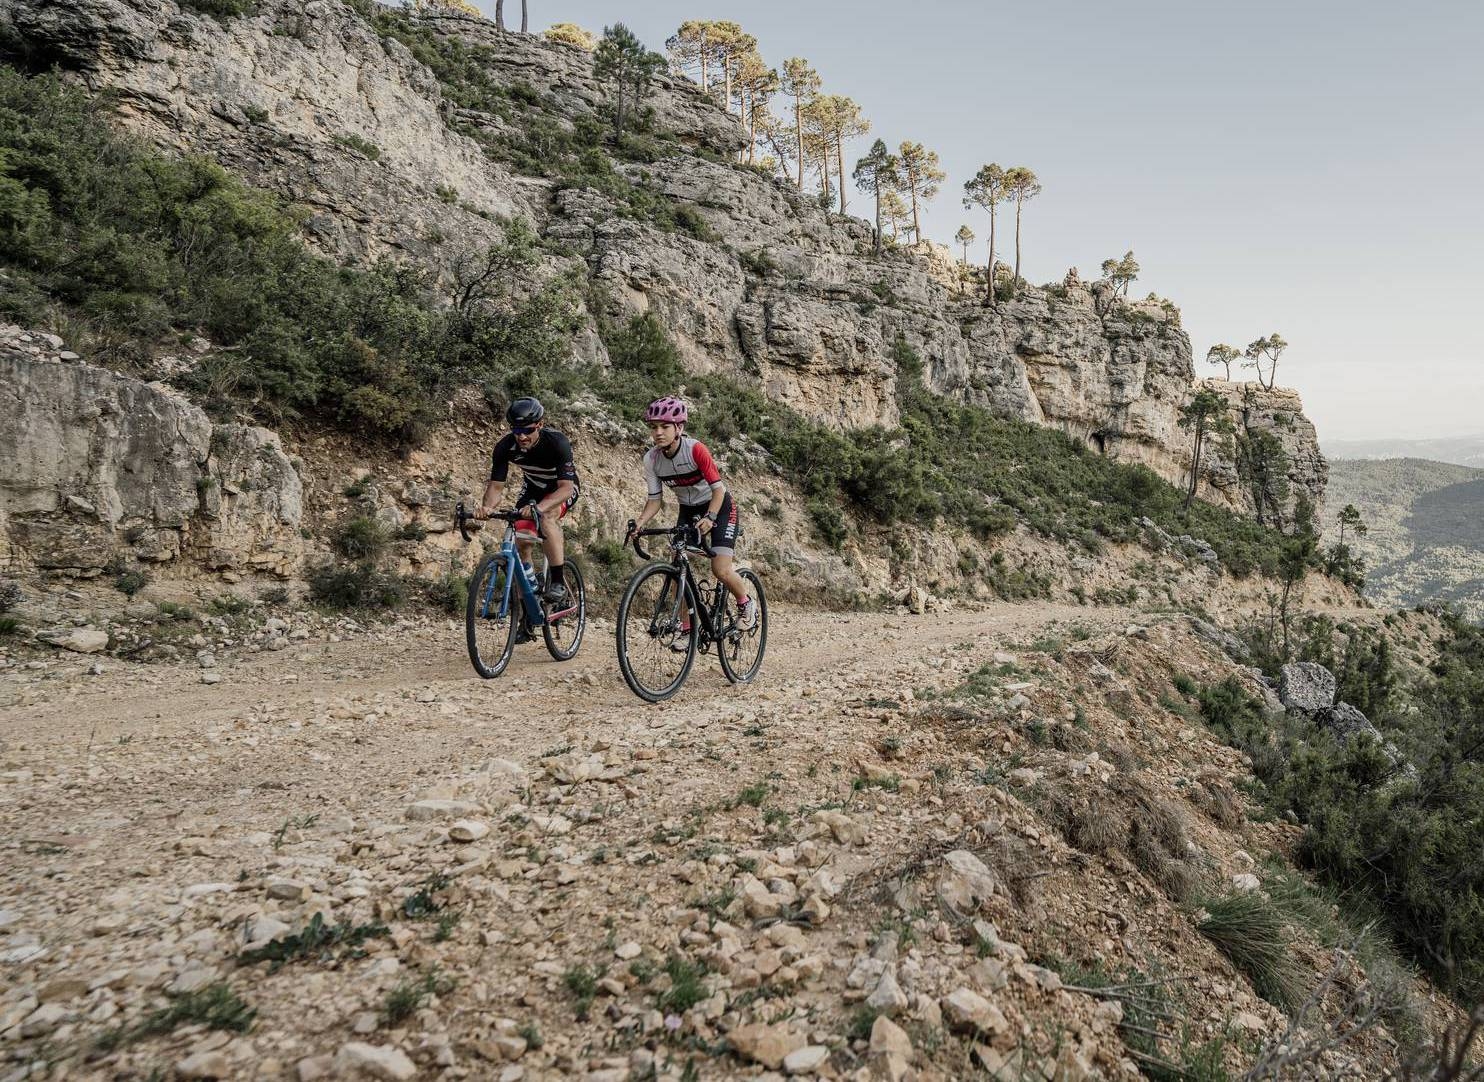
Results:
<point x="551" y="534"/>
<point x="723" y="542"/>
<point x="554" y="543"/>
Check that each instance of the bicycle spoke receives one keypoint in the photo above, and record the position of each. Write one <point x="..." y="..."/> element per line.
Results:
<point x="655" y="642"/>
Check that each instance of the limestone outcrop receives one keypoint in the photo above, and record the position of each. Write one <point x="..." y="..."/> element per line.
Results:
<point x="102" y="470"/>
<point x="309" y="100"/>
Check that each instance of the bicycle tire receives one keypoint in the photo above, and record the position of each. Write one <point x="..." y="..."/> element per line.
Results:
<point x="759" y="632"/>
<point x="625" y="663"/>
<point x="573" y="578"/>
<point x="491" y="565"/>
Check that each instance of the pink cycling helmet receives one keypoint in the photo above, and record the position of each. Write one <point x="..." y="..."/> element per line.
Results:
<point x="669" y="409"/>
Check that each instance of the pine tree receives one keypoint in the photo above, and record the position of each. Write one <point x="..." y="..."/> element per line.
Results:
<point x="623" y="59"/>
<point x="894" y="211"/>
<point x="571" y="34"/>
<point x="1121" y="272"/>
<point x="756" y="85"/>
<point x="986" y="189"/>
<point x="1021" y="184"/>
<point x="876" y="175"/>
<point x="920" y="177"/>
<point x="1206" y="413"/>
<point x="800" y="82"/>
<point x="1223" y="355"/>
<point x="1265" y="349"/>
<point x="842" y="120"/>
<point x="965" y="237"/>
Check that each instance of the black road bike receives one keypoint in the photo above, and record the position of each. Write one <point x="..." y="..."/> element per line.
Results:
<point x="505" y="607"/>
<point x="666" y="616"/>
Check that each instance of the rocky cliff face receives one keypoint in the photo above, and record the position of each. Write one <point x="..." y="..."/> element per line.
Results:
<point x="307" y="99"/>
<point x="101" y="469"/>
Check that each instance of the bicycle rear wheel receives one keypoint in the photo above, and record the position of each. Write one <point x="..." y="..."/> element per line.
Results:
<point x="491" y="636"/>
<point x="741" y="652"/>
<point x="563" y="635"/>
<point x="655" y="650"/>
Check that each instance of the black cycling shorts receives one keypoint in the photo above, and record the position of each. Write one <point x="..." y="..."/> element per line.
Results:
<point x="723" y="537"/>
<point x="530" y="493"/>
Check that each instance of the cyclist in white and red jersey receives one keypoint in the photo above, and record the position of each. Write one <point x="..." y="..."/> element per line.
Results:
<point x="685" y="465"/>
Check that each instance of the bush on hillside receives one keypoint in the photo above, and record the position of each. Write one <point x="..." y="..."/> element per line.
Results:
<point x="139" y="246"/>
<point x="1404" y="836"/>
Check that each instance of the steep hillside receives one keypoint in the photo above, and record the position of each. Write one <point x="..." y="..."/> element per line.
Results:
<point x="1425" y="538"/>
<point x="408" y="136"/>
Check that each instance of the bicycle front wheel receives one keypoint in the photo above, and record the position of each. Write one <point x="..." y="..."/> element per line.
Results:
<point x="741" y="652"/>
<point x="656" y="633"/>
<point x="491" y="636"/>
<point x="563" y="629"/>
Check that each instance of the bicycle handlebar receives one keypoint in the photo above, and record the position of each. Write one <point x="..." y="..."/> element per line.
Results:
<point x="467" y="520"/>
<point x="691" y="534"/>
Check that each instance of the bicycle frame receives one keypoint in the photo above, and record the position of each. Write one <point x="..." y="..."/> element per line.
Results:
<point x="515" y="572"/>
<point x="681" y="549"/>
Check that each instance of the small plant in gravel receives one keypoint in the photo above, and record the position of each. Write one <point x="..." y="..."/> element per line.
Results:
<point x="582" y="984"/>
<point x="317" y="941"/>
<point x="216" y="1006"/>
<point x="447" y="922"/>
<point x="687" y="985"/>
<point x="860" y="1024"/>
<point x="531" y="1034"/>
<point x="753" y="795"/>
<point x="175" y="611"/>
<point x="422" y="902"/>
<point x="409" y="995"/>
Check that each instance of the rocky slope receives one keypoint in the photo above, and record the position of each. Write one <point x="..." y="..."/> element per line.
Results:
<point x="1425" y="529"/>
<point x="913" y="868"/>
<point x="308" y="100"/>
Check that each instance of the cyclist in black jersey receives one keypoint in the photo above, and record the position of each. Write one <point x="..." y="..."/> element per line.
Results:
<point x="549" y="483"/>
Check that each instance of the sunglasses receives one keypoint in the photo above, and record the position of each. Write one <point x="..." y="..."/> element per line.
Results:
<point x="526" y="431"/>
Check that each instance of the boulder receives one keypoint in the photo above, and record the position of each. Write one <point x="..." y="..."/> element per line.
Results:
<point x="1306" y="687"/>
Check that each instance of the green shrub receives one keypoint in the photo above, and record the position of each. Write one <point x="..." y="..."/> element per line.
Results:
<point x="130" y="583"/>
<point x="222" y="10"/>
<point x="1250" y="931"/>
<point x="359" y="144"/>
<point x="1403" y="835"/>
<point x="357" y="586"/>
<point x="449" y="592"/>
<point x="361" y="538"/>
<point x="134" y="245"/>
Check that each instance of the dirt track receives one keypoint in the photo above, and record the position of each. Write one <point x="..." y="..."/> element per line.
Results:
<point x="152" y="821"/>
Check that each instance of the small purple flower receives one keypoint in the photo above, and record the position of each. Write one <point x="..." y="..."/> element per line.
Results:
<point x="672" y="1022"/>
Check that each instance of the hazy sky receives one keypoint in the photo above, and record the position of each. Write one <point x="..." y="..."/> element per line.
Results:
<point x="1312" y="167"/>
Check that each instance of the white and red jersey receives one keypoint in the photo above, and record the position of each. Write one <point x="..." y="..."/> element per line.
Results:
<point x="690" y="471"/>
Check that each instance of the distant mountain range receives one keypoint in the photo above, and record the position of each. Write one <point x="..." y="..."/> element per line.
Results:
<point x="1458" y="450"/>
<point x="1426" y="527"/>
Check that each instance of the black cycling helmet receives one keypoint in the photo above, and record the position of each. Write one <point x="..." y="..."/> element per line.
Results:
<point x="525" y="411"/>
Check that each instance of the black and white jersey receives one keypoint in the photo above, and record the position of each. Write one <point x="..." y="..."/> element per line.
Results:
<point x="548" y="462"/>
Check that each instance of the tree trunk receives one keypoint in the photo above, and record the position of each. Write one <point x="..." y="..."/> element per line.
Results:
<point x="1017" y="247"/>
<point x="916" y="224"/>
<point x="840" y="168"/>
<point x="726" y="67"/>
<point x="525" y="13"/>
<point x="618" y="112"/>
<point x="499" y="14"/>
<point x="877" y="186"/>
<point x="989" y="297"/>
<point x="1195" y="466"/>
<point x="751" y="130"/>
<point x="799" y="135"/>
<point x="702" y="49"/>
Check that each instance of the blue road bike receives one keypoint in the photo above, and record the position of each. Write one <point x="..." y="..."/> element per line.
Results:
<point x="505" y="601"/>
